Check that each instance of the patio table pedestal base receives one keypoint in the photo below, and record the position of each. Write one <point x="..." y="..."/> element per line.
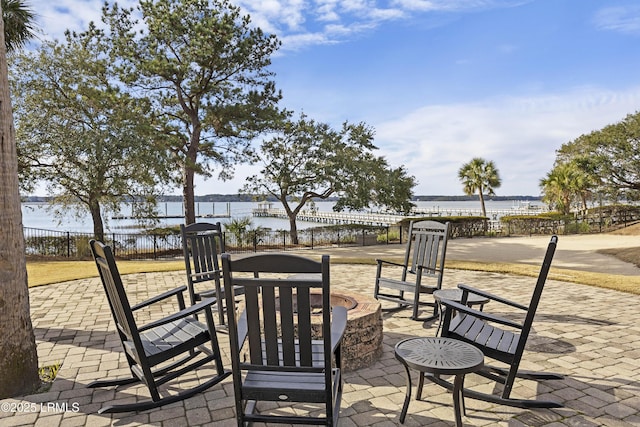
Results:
<point x="438" y="356"/>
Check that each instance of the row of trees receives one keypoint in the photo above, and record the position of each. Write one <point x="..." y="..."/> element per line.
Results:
<point x="170" y="90"/>
<point x="604" y="164"/>
<point x="601" y="165"/>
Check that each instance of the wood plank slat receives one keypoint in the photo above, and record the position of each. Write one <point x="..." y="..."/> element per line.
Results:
<point x="254" y="327"/>
<point x="304" y="326"/>
<point x="288" y="327"/>
<point x="270" y="326"/>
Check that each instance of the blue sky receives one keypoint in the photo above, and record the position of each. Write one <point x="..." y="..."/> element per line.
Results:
<point x="443" y="81"/>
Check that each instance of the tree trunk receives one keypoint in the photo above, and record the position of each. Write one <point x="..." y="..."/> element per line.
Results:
<point x="188" y="196"/>
<point x="18" y="356"/>
<point x="188" y="189"/>
<point x="96" y="216"/>
<point x="484" y="211"/>
<point x="292" y="215"/>
<point x="294" y="228"/>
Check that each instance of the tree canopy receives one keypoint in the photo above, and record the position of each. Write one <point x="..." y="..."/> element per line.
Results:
<point x="78" y="131"/>
<point x="205" y="70"/>
<point x="307" y="160"/>
<point x="610" y="157"/>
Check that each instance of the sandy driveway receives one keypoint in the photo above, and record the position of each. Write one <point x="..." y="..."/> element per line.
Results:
<point x="576" y="252"/>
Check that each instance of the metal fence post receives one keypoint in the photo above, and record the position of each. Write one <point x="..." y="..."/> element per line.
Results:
<point x="255" y="241"/>
<point x="68" y="245"/>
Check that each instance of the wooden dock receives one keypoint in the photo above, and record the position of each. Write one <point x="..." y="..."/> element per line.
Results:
<point x="334" y="217"/>
<point x="383" y="219"/>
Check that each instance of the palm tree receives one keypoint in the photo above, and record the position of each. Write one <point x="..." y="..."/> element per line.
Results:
<point x="18" y="23"/>
<point x="565" y="183"/>
<point x="479" y="176"/>
<point x="18" y="356"/>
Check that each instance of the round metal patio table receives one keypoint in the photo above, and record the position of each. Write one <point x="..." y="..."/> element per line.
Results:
<point x="438" y="356"/>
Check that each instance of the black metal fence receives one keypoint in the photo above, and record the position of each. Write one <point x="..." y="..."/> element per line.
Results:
<point x="51" y="243"/>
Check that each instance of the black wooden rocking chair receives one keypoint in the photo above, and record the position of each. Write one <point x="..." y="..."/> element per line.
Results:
<point x="200" y="243"/>
<point x="422" y="269"/>
<point x="498" y="338"/>
<point x="278" y="353"/>
<point x="161" y="350"/>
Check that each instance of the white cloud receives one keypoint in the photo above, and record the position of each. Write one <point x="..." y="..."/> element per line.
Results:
<point x="624" y="19"/>
<point x="520" y="135"/>
<point x="304" y="22"/>
<point x="286" y="18"/>
<point x="54" y="17"/>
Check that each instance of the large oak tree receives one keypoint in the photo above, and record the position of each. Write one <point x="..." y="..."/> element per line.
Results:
<point x="307" y="160"/>
<point x="610" y="157"/>
<point x="80" y="132"/>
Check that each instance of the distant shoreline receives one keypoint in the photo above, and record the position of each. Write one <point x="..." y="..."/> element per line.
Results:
<point x="251" y="198"/>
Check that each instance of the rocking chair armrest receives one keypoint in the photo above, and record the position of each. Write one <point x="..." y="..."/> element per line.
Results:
<point x="382" y="261"/>
<point x="491" y="296"/>
<point x="189" y="311"/>
<point x="205" y="273"/>
<point x="159" y="298"/>
<point x="338" y="326"/>
<point x="461" y="308"/>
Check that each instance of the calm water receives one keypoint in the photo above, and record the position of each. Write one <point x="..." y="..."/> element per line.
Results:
<point x="39" y="215"/>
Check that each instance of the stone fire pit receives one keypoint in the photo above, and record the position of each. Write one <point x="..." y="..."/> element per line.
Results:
<point x="362" y="341"/>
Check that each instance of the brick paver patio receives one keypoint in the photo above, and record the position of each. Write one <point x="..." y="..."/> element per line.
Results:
<point x="592" y="335"/>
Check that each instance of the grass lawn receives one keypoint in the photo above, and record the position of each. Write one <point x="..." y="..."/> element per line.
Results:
<point x="47" y="272"/>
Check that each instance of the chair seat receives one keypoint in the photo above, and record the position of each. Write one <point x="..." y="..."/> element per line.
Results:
<point x="162" y="342"/>
<point x="211" y="293"/>
<point x="405" y="286"/>
<point x="497" y="343"/>
<point x="287" y="386"/>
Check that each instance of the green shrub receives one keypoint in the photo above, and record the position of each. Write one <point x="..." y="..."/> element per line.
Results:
<point x="389" y="236"/>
